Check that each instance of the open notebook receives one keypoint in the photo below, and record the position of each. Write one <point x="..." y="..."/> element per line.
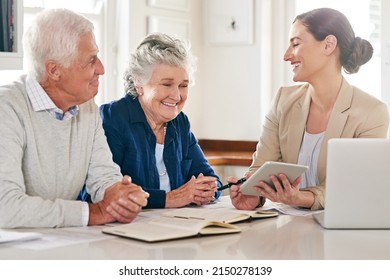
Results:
<point x="357" y="184"/>
<point x="185" y="222"/>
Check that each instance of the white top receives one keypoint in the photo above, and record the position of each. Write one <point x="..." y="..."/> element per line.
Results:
<point x="308" y="155"/>
<point x="161" y="169"/>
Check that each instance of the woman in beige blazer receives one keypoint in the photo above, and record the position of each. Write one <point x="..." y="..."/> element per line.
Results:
<point x="304" y="117"/>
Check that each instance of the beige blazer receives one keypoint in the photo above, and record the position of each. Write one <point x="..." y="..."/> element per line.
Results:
<point x="356" y="114"/>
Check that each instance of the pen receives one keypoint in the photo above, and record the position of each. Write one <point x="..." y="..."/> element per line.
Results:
<point x="242" y="180"/>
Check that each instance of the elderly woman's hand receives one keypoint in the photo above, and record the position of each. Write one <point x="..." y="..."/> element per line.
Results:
<point x="199" y="190"/>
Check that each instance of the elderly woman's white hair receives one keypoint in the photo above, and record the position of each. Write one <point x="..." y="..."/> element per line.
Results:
<point x="157" y="48"/>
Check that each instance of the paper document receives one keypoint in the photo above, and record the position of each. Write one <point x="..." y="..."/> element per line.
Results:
<point x="287" y="209"/>
<point x="11" y="236"/>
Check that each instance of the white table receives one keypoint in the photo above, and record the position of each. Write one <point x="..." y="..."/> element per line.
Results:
<point x="281" y="238"/>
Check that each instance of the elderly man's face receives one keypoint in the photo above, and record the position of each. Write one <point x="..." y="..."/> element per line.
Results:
<point x="80" y="82"/>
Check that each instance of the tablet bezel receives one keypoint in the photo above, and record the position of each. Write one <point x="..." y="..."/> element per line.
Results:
<point x="292" y="171"/>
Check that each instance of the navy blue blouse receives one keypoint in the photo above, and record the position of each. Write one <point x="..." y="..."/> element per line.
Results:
<point x="133" y="144"/>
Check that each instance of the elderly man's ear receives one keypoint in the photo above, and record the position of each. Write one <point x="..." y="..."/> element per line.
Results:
<point x="52" y="70"/>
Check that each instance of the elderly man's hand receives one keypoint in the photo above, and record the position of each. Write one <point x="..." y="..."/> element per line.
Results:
<point x="122" y="202"/>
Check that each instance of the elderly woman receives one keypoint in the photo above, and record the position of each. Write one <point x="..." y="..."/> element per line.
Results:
<point x="150" y="136"/>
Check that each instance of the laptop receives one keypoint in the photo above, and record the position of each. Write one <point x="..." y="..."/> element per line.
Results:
<point x="357" y="184"/>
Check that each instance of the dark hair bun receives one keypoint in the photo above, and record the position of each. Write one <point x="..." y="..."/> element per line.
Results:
<point x="361" y="53"/>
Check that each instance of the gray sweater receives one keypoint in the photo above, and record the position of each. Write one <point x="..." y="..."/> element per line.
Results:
<point x="45" y="162"/>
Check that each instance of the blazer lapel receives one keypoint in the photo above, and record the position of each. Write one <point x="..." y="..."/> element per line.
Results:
<point x="296" y="129"/>
<point x="336" y="124"/>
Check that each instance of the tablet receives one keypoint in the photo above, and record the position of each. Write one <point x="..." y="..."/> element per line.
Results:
<point x="292" y="171"/>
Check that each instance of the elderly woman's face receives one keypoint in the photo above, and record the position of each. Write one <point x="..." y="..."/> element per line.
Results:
<point x="164" y="95"/>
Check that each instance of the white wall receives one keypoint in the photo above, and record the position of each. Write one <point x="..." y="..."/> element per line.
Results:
<point x="226" y="101"/>
<point x="234" y="83"/>
<point x="229" y="88"/>
<point x="385" y="51"/>
<point x="132" y="28"/>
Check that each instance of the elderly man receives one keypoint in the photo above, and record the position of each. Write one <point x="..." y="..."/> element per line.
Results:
<point x="51" y="139"/>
